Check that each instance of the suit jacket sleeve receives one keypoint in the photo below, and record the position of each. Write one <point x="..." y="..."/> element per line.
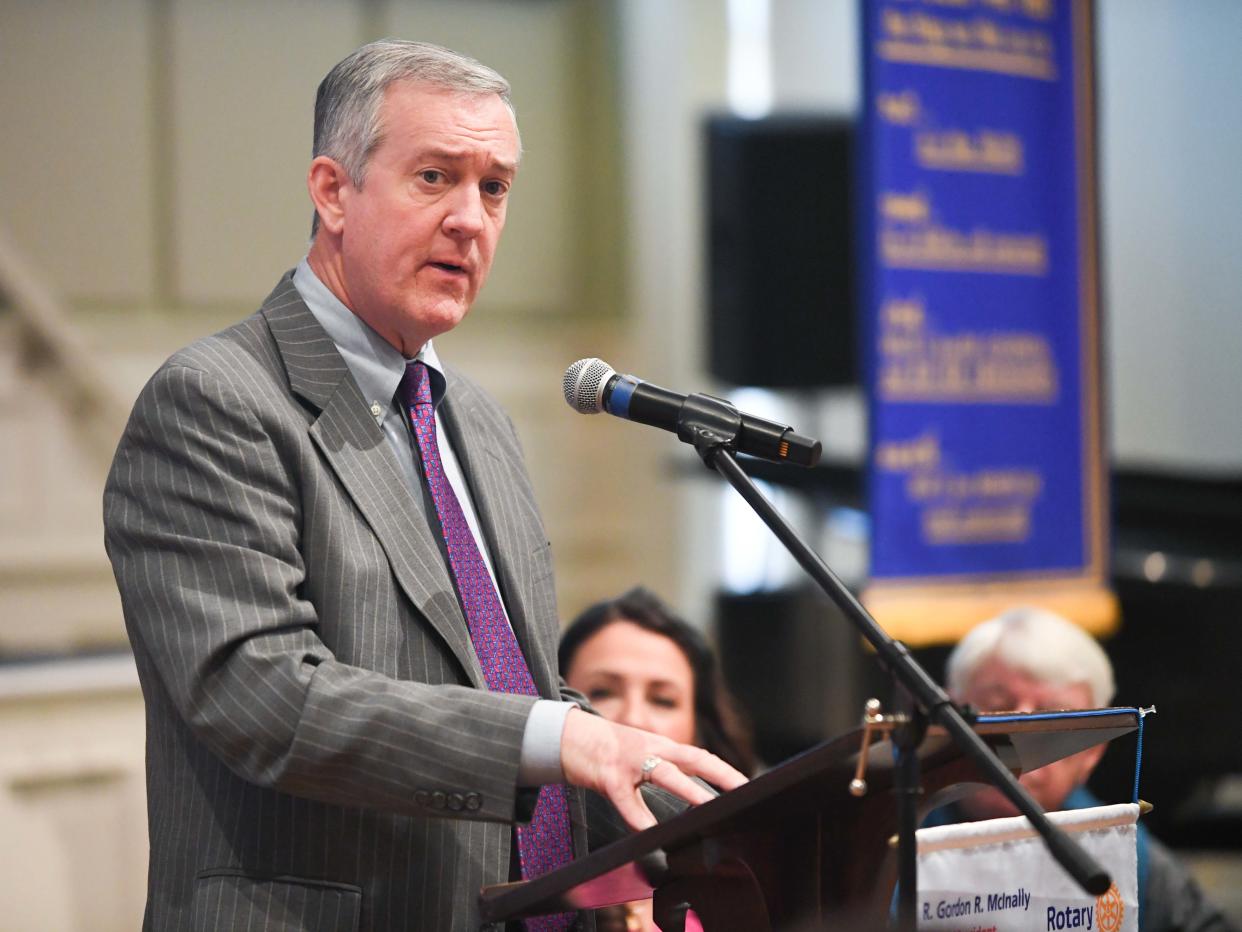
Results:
<point x="203" y="525"/>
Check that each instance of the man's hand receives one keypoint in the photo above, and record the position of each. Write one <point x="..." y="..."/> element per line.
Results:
<point x="609" y="758"/>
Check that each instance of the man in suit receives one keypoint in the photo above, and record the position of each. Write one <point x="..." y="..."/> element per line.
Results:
<point x="334" y="574"/>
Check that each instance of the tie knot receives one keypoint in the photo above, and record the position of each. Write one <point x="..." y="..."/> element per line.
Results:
<point x="415" y="385"/>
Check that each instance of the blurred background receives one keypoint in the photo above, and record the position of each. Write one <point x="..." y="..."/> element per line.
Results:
<point x="153" y="192"/>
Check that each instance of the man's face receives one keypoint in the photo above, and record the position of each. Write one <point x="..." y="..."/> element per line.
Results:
<point x="999" y="687"/>
<point x="417" y="239"/>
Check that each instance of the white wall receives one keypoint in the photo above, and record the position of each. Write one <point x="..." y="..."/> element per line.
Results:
<point x="76" y="123"/>
<point x="1171" y="152"/>
<point x="155" y="152"/>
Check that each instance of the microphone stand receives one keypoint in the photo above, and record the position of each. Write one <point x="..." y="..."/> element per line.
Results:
<point x="712" y="426"/>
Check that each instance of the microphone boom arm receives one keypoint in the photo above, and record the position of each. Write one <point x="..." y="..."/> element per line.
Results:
<point x="711" y="435"/>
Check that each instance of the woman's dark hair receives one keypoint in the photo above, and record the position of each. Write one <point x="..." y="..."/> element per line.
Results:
<point x="718" y="723"/>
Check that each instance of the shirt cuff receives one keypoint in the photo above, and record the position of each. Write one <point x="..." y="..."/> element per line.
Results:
<point x="540" y="759"/>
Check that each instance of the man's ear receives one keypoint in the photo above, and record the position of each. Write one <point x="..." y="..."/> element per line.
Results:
<point x="326" y="180"/>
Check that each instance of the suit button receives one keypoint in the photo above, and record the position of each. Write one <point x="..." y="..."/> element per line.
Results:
<point x="456" y="802"/>
<point x="437" y="800"/>
<point x="474" y="802"/>
<point x="422" y="797"/>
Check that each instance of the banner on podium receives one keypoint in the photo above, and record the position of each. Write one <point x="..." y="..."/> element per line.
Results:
<point x="997" y="876"/>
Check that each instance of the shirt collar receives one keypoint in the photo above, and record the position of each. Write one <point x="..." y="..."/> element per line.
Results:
<point x="376" y="365"/>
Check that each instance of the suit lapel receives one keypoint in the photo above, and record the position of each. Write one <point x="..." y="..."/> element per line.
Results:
<point x="356" y="450"/>
<point x="494" y="488"/>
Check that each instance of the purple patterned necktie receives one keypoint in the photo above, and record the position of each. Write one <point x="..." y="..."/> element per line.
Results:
<point x="546" y="843"/>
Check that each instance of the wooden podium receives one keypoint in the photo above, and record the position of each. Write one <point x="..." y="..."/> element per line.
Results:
<point x="792" y="850"/>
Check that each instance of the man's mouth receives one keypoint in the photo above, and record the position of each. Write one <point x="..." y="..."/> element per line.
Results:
<point x="448" y="267"/>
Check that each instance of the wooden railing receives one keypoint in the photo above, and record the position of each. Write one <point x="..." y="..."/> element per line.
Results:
<point x="54" y="352"/>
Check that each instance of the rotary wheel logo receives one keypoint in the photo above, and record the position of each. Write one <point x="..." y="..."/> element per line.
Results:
<point x="1109" y="910"/>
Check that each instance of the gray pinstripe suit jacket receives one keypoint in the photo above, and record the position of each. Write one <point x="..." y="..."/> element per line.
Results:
<point x="321" y="751"/>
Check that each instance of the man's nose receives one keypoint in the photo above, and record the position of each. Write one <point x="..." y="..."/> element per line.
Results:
<point x="465" y="216"/>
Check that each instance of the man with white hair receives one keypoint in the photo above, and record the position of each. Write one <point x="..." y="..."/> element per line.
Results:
<point x="1030" y="660"/>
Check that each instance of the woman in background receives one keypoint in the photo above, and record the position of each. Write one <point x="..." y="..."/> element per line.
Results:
<point x="641" y="665"/>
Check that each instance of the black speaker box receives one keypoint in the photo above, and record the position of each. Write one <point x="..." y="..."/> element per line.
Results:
<point x="781" y="289"/>
<point x="794" y="664"/>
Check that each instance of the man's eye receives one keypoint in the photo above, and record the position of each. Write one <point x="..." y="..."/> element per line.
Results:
<point x="599" y="692"/>
<point x="495" y="188"/>
<point x="431" y="176"/>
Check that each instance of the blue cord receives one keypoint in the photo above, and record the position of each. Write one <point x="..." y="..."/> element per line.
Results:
<point x="1138" y="754"/>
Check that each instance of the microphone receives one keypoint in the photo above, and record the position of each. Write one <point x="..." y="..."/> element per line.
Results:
<point x="592" y="386"/>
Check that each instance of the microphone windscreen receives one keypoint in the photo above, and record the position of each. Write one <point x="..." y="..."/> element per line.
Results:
<point x="584" y="385"/>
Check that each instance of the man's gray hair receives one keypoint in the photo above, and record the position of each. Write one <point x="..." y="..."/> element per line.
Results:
<point x="1045" y="645"/>
<point x="348" y="127"/>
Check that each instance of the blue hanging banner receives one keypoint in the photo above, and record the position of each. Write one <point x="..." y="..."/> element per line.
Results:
<point x="986" y="473"/>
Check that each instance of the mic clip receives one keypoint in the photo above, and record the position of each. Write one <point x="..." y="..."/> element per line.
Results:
<point x="709" y="424"/>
